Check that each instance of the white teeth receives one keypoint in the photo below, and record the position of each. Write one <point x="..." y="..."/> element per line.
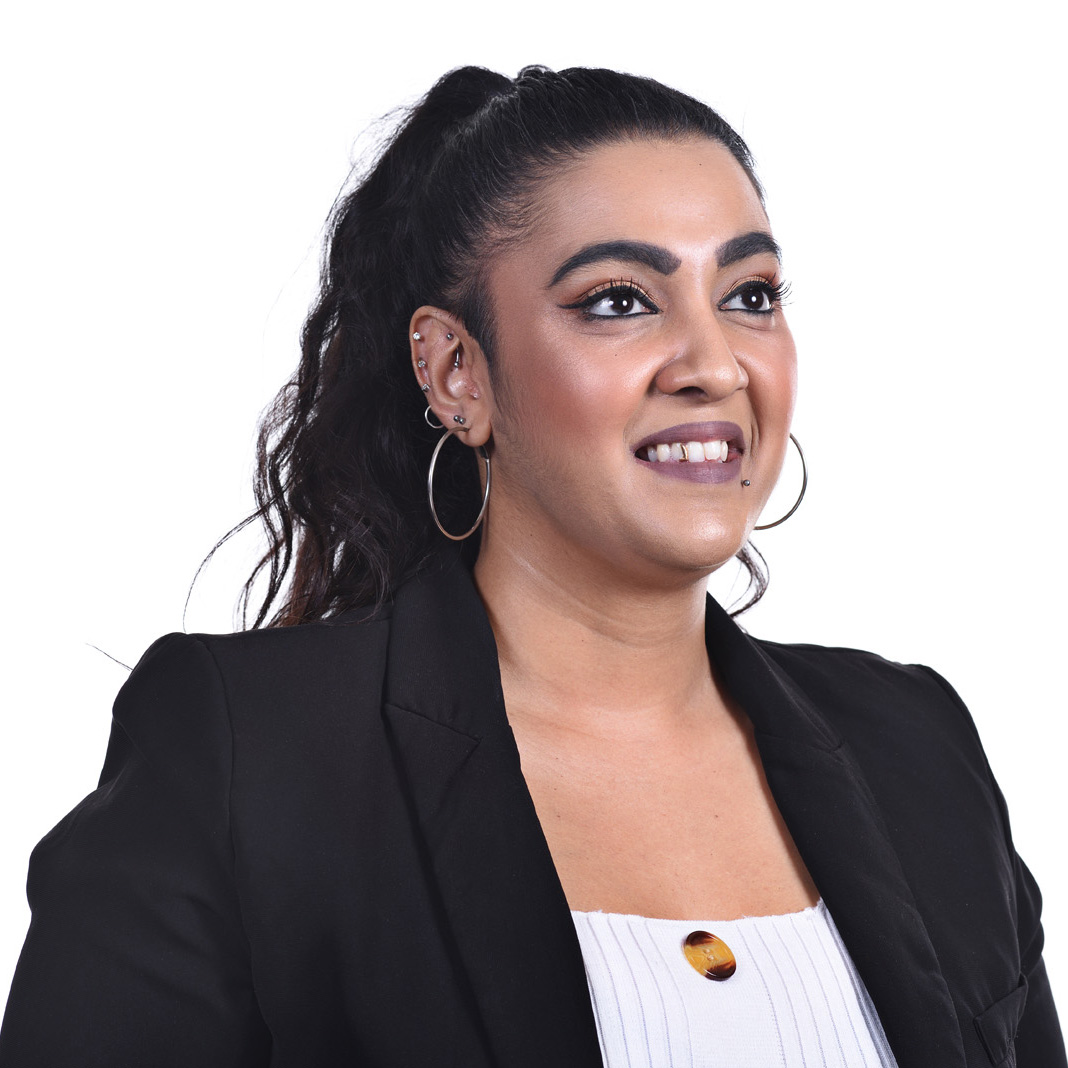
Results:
<point x="688" y="452"/>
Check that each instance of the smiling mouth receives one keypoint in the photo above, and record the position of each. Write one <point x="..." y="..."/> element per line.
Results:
<point x="693" y="443"/>
<point x="687" y="452"/>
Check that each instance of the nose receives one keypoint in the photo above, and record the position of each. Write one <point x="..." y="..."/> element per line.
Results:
<point x="704" y="365"/>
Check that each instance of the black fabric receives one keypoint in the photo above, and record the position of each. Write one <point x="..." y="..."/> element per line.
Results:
<point x="314" y="847"/>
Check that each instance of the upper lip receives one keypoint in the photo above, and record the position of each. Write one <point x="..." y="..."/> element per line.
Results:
<point x="717" y="430"/>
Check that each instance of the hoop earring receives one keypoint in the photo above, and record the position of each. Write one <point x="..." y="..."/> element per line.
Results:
<point x="426" y="419"/>
<point x="800" y="496"/>
<point x="430" y="485"/>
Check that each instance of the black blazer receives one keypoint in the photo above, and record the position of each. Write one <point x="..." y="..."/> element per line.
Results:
<point x="314" y="846"/>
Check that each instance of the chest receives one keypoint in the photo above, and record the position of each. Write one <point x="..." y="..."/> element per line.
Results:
<point x="678" y="825"/>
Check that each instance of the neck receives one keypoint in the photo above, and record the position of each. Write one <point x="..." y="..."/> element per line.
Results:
<point x="590" y="650"/>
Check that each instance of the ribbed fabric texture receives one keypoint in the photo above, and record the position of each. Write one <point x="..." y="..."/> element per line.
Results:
<point x="795" y="1001"/>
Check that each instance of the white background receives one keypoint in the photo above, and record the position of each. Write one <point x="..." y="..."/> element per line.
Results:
<point x="169" y="167"/>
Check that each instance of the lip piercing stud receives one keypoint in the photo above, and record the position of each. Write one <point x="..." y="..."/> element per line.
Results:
<point x="459" y="419"/>
<point x="417" y="336"/>
<point x="745" y="482"/>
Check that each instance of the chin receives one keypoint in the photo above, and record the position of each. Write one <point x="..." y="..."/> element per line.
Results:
<point x="697" y="560"/>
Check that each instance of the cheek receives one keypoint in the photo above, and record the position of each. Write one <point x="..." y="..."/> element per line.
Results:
<point x="773" y="387"/>
<point x="559" y="397"/>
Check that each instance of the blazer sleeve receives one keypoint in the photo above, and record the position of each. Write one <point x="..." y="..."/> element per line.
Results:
<point x="136" y="954"/>
<point x="1036" y="1037"/>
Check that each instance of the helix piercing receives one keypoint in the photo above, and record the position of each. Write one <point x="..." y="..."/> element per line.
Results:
<point x="417" y="336"/>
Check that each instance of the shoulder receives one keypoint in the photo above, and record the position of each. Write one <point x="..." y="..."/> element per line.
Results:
<point x="840" y="667"/>
<point x="862" y="692"/>
<point x="193" y="691"/>
<point x="267" y="656"/>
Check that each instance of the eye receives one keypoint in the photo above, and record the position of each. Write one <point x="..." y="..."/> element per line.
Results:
<point x="616" y="300"/>
<point x="760" y="297"/>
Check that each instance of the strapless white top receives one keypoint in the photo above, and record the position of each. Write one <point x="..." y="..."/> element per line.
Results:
<point x="795" y="999"/>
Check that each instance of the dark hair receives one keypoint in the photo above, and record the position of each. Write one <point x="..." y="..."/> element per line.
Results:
<point x="344" y="449"/>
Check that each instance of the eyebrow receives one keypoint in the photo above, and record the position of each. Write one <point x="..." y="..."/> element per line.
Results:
<point x="660" y="259"/>
<point x="742" y="247"/>
<point x="652" y="256"/>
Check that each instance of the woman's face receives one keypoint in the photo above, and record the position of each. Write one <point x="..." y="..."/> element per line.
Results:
<point x="640" y="313"/>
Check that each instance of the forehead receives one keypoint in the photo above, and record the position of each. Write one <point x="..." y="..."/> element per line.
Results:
<point x="683" y="194"/>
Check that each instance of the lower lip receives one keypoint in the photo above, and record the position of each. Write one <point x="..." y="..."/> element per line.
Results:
<point x="706" y="471"/>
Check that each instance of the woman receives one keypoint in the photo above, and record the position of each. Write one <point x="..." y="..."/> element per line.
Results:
<point x="518" y="803"/>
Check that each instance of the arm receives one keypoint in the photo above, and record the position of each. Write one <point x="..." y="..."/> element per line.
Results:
<point x="135" y="953"/>
<point x="1038" y="1041"/>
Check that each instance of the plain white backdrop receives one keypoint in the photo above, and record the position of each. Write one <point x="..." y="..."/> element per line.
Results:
<point x="169" y="168"/>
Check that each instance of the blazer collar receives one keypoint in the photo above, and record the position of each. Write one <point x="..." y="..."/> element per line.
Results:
<point x="499" y="890"/>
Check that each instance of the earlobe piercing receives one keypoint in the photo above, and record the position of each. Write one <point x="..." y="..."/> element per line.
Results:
<point x="421" y="363"/>
<point x="459" y="419"/>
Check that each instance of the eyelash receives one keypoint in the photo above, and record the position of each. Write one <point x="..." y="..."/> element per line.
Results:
<point x="618" y="288"/>
<point x="775" y="292"/>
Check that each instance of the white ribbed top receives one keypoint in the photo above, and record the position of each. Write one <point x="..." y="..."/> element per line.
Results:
<point x="795" y="1001"/>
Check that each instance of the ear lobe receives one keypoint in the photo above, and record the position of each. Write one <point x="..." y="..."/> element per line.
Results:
<point x="450" y="369"/>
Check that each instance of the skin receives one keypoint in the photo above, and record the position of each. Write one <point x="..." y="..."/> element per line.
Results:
<point x="593" y="565"/>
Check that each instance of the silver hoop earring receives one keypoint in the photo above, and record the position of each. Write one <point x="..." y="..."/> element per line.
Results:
<point x="800" y="496"/>
<point x="426" y="419"/>
<point x="430" y="485"/>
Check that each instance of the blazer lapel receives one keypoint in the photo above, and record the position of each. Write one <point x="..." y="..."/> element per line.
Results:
<point x="838" y="829"/>
<point x="505" y="908"/>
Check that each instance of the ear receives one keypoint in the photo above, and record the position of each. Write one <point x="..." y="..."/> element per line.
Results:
<point x="448" y="360"/>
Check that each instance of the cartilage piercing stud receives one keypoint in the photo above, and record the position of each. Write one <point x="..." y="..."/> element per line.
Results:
<point x="417" y="336"/>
